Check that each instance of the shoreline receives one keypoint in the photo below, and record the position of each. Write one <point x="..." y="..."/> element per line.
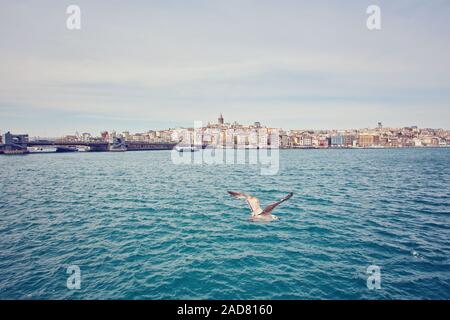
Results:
<point x="242" y="149"/>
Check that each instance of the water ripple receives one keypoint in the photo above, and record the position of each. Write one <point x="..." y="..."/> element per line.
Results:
<point x="141" y="227"/>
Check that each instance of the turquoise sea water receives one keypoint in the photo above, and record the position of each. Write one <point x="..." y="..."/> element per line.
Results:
<point x="141" y="227"/>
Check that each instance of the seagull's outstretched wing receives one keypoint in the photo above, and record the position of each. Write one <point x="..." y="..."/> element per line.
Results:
<point x="238" y="195"/>
<point x="270" y="207"/>
<point x="251" y="201"/>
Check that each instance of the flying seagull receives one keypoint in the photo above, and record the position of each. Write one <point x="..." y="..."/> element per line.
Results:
<point x="257" y="212"/>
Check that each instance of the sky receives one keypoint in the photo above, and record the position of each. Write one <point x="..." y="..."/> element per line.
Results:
<point x="142" y="65"/>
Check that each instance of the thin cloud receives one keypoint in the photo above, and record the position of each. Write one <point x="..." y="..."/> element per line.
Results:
<point x="291" y="63"/>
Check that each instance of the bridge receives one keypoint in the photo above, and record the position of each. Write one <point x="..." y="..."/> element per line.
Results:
<point x="19" y="143"/>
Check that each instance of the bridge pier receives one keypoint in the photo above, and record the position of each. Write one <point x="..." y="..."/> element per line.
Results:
<point x="15" y="143"/>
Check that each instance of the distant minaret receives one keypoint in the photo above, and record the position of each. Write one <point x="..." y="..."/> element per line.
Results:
<point x="220" y="119"/>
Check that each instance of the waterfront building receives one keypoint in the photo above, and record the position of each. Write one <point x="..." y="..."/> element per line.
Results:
<point x="323" y="141"/>
<point x="15" y="139"/>
<point x="283" y="139"/>
<point x="71" y="138"/>
<point x="242" y="138"/>
<point x="198" y="136"/>
<point x="368" y="140"/>
<point x="274" y="138"/>
<point x="138" y="137"/>
<point x="15" y="143"/>
<point x="253" y="138"/>
<point x="337" y="140"/>
<point x="160" y="136"/>
<point x="263" y="138"/>
<point x="177" y="134"/>
<point x="349" y="140"/>
<point x="417" y="142"/>
<point x="188" y="137"/>
<point x="307" y="140"/>
<point x="229" y="138"/>
<point x="365" y="140"/>
<point x="295" y="140"/>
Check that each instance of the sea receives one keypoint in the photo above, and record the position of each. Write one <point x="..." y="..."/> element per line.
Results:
<point x="362" y="224"/>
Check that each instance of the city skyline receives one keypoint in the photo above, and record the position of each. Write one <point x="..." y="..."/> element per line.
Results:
<point x="157" y="65"/>
<point x="232" y="134"/>
<point x="143" y="128"/>
<point x="211" y="122"/>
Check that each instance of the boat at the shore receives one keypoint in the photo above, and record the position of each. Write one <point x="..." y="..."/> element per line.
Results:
<point x="117" y="145"/>
<point x="66" y="149"/>
<point x="83" y="148"/>
<point x="42" y="149"/>
<point x="16" y="151"/>
<point x="187" y="148"/>
<point x="121" y="148"/>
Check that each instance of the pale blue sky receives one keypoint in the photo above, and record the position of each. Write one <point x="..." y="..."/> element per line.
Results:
<point x="141" y="65"/>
